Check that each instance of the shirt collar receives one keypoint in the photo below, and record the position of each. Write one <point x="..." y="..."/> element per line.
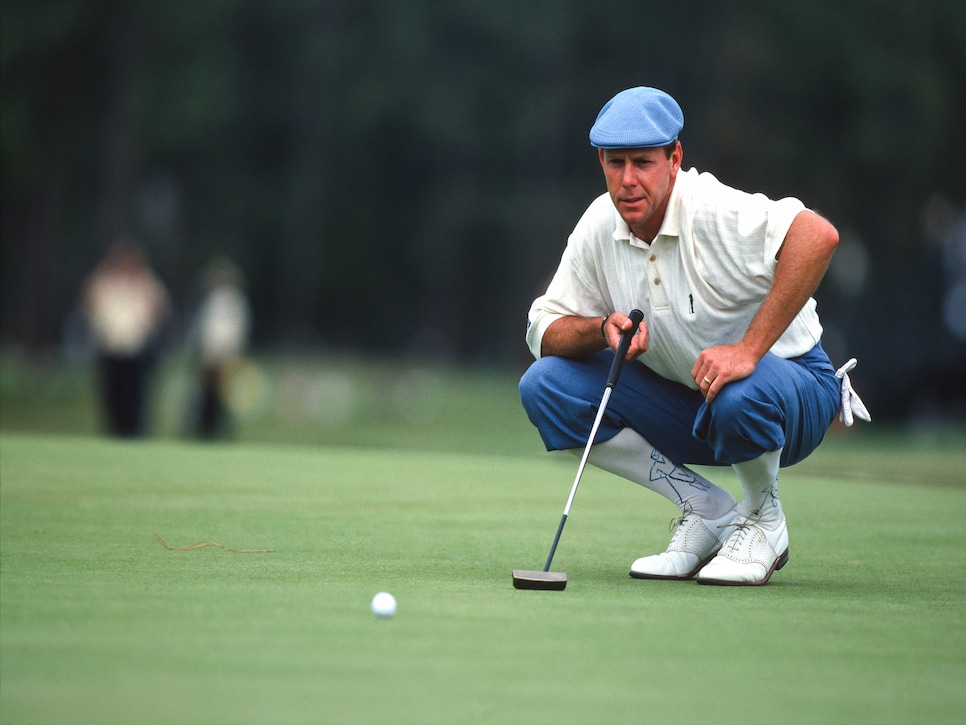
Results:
<point x="671" y="225"/>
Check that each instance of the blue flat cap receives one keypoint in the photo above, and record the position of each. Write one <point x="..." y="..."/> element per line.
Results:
<point x="637" y="118"/>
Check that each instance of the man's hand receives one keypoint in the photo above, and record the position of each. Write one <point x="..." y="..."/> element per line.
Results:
<point x="717" y="366"/>
<point x="618" y="323"/>
<point x="578" y="337"/>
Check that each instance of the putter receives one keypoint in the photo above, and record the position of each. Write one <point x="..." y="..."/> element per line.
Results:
<point x="557" y="580"/>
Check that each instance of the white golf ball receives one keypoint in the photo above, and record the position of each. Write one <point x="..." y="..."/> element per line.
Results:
<point x="384" y="605"/>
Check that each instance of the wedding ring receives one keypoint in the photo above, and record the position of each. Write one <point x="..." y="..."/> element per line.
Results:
<point x="707" y="381"/>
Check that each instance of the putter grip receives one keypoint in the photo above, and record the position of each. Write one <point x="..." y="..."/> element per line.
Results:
<point x="636" y="317"/>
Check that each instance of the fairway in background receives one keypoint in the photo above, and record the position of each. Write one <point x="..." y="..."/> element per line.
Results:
<point x="100" y="623"/>
<point x="325" y="399"/>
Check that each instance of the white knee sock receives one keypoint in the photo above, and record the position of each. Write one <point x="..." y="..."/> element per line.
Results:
<point x="631" y="456"/>
<point x="759" y="482"/>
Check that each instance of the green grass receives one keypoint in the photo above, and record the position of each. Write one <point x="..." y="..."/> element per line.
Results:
<point x="330" y="400"/>
<point x="101" y="624"/>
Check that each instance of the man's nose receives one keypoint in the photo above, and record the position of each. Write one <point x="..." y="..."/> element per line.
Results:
<point x="628" y="178"/>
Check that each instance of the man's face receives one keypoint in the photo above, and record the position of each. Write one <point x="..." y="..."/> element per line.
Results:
<point x="639" y="182"/>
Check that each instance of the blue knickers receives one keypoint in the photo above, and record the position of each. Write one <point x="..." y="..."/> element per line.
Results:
<point x="787" y="404"/>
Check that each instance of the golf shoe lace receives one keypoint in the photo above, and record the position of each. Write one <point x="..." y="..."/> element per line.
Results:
<point x="678" y="521"/>
<point x="677" y="525"/>
<point x="742" y="528"/>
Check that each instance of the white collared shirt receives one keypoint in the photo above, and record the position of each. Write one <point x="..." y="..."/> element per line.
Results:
<point x="699" y="282"/>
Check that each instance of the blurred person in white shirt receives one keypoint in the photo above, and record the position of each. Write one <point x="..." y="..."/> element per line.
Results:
<point x="220" y="332"/>
<point x="125" y="306"/>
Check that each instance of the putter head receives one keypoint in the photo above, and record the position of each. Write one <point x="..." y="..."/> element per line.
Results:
<point x="545" y="580"/>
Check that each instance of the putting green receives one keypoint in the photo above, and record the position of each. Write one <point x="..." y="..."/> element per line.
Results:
<point x="100" y="623"/>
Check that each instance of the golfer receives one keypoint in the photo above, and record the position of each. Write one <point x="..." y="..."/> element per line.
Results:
<point x="727" y="368"/>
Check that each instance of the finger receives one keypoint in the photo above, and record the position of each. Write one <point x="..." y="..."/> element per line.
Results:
<point x="709" y="386"/>
<point x="720" y="380"/>
<point x="617" y="323"/>
<point x="638" y="342"/>
<point x="695" y="372"/>
<point x="700" y="369"/>
<point x="713" y="387"/>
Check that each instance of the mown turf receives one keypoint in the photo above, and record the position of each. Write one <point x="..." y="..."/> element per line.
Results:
<point x="101" y="624"/>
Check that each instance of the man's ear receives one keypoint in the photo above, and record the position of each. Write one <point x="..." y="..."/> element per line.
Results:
<point x="677" y="156"/>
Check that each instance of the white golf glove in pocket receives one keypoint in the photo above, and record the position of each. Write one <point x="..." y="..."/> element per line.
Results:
<point x="852" y="405"/>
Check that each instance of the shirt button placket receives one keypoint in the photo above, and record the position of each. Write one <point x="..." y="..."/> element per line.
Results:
<point x="657" y="290"/>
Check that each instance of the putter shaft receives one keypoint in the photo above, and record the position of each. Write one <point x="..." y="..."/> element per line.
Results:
<point x="636" y="317"/>
<point x="580" y="472"/>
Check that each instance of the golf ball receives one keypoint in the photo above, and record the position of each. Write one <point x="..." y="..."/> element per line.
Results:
<point x="384" y="605"/>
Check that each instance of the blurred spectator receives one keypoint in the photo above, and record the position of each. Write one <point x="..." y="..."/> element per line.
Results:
<point x="125" y="306"/>
<point x="220" y="333"/>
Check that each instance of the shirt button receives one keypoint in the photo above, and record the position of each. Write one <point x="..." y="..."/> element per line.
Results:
<point x="653" y="257"/>
<point x="657" y="280"/>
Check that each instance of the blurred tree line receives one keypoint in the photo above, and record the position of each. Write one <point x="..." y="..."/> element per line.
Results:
<point x="401" y="177"/>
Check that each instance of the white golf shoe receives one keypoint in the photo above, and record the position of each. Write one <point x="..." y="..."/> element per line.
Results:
<point x="693" y="545"/>
<point x="750" y="555"/>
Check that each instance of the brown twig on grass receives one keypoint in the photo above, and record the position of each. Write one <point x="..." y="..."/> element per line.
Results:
<point x="203" y="544"/>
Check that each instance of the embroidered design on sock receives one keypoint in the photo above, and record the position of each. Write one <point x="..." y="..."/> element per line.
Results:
<point x="770" y="493"/>
<point x="662" y="468"/>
